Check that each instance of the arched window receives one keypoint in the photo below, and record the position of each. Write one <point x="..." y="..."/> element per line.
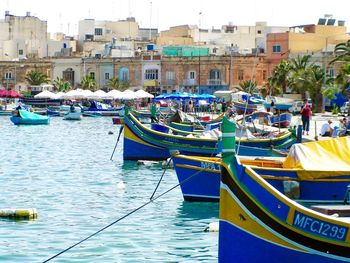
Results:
<point x="123" y="74"/>
<point x="215" y="74"/>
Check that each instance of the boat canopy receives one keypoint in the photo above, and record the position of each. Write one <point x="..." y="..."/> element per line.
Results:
<point x="320" y="159"/>
<point x="30" y="115"/>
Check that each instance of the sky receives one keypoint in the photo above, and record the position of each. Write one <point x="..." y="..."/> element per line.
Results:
<point x="64" y="15"/>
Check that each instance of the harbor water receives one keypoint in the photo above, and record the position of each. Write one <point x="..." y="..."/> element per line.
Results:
<point x="64" y="171"/>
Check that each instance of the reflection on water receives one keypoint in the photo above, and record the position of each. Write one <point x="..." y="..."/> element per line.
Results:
<point x="63" y="170"/>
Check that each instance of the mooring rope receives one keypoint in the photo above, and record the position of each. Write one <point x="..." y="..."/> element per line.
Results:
<point x="123" y="217"/>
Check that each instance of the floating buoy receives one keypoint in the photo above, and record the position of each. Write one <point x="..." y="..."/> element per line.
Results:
<point x="25" y="213"/>
<point x="110" y="132"/>
<point x="121" y="185"/>
<point x="213" y="227"/>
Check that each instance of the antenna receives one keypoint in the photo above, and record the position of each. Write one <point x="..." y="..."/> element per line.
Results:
<point x="60" y="19"/>
<point x="150" y="22"/>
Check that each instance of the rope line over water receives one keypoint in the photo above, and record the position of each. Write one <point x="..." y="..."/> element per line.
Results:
<point x="123" y="217"/>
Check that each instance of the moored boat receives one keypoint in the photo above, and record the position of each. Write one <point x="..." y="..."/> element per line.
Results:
<point x="287" y="176"/>
<point x="29" y="118"/>
<point x="282" y="120"/>
<point x="260" y="224"/>
<point x="143" y="143"/>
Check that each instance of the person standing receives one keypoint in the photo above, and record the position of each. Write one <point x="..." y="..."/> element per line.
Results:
<point x="306" y="114"/>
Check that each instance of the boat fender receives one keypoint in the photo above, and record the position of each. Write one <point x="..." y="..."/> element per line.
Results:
<point x="212" y="227"/>
<point x="25" y="213"/>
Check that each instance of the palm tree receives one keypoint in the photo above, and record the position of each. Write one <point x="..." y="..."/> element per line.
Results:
<point x="36" y="78"/>
<point x="279" y="79"/>
<point x="298" y="68"/>
<point x="89" y="83"/>
<point x="248" y="86"/>
<point x="61" y="84"/>
<point x="342" y="51"/>
<point x="115" y="83"/>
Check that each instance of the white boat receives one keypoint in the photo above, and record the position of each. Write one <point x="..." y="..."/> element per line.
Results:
<point x="76" y="115"/>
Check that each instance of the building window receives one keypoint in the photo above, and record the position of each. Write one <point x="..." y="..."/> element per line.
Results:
<point x="276" y="48"/>
<point x="98" y="31"/>
<point x="259" y="31"/>
<point x="92" y="75"/>
<point x="20" y="52"/>
<point x="8" y="75"/>
<point x="107" y="75"/>
<point x="264" y="74"/>
<point x="240" y="74"/>
<point x="170" y="75"/>
<point x="192" y="75"/>
<point x="151" y="74"/>
<point x="123" y="74"/>
<point x="331" y="72"/>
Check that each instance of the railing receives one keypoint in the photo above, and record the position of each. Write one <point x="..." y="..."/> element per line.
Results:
<point x="190" y="82"/>
<point x="215" y="82"/>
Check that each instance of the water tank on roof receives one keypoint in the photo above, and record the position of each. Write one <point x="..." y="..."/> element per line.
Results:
<point x="150" y="47"/>
<point x="27" y="13"/>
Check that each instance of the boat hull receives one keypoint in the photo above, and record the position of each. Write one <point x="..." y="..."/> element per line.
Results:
<point x="201" y="177"/>
<point x="283" y="120"/>
<point x="19" y="121"/>
<point x="144" y="143"/>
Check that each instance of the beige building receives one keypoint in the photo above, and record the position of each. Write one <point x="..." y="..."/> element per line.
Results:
<point x="91" y="30"/>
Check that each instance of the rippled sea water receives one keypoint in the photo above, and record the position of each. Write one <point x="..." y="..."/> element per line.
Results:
<point x="63" y="170"/>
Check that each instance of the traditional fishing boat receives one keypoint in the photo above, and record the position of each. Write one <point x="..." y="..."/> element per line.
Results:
<point x="26" y="117"/>
<point x="72" y="116"/>
<point x="260" y="224"/>
<point x="144" y="143"/>
<point x="282" y="120"/>
<point x="202" y="174"/>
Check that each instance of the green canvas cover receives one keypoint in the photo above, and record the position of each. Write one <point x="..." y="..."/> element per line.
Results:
<point x="30" y="115"/>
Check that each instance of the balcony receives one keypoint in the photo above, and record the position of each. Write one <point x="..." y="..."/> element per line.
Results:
<point x="215" y="82"/>
<point x="169" y="82"/>
<point x="150" y="83"/>
<point x="190" y="82"/>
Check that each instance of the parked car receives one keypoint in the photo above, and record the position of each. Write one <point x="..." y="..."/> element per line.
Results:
<point x="297" y="105"/>
<point x="345" y="108"/>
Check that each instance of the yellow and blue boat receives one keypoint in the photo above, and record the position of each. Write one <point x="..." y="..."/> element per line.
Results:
<point x="199" y="176"/>
<point x="260" y="224"/>
<point x="144" y="143"/>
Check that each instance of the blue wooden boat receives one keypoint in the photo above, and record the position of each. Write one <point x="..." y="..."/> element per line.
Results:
<point x="260" y="224"/>
<point x="201" y="177"/>
<point x="143" y="143"/>
<point x="30" y="118"/>
<point x="282" y="120"/>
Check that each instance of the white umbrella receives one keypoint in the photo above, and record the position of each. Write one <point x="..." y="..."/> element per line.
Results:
<point x="98" y="94"/>
<point x="143" y="94"/>
<point x="128" y="95"/>
<point x="73" y="94"/>
<point x="86" y="94"/>
<point x="59" y="95"/>
<point x="45" y="95"/>
<point x="114" y="94"/>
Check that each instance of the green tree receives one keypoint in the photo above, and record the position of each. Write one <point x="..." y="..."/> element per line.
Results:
<point x="115" y="83"/>
<point x="248" y="86"/>
<point x="61" y="84"/>
<point x="278" y="82"/>
<point x="298" y="68"/>
<point x="36" y="78"/>
<point x="89" y="83"/>
<point x="342" y="51"/>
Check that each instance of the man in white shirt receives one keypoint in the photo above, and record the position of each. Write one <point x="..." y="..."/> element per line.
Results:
<point x="327" y="128"/>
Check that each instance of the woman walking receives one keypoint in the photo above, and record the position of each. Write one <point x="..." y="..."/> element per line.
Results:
<point x="306" y="114"/>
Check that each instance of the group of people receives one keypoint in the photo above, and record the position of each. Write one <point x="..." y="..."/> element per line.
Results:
<point x="328" y="128"/>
